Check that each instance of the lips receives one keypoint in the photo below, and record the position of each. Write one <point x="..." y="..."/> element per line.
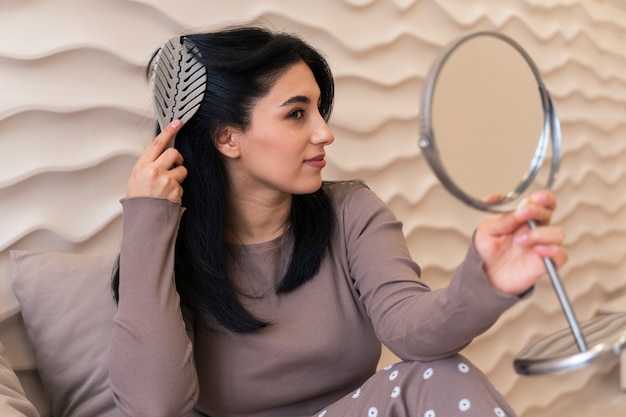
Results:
<point x="317" y="161"/>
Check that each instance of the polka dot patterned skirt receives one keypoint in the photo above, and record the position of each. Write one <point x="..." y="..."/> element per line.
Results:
<point x="444" y="388"/>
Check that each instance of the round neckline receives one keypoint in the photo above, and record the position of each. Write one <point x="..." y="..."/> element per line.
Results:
<point x="260" y="246"/>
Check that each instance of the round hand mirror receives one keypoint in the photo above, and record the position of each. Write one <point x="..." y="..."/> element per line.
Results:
<point x="503" y="110"/>
<point x="491" y="135"/>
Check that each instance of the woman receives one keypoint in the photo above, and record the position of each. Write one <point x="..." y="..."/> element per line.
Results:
<point x="248" y="287"/>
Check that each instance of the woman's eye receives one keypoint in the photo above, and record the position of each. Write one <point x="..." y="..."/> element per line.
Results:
<point x="296" y="114"/>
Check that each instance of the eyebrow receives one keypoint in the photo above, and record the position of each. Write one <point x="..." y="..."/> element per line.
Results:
<point x="297" y="99"/>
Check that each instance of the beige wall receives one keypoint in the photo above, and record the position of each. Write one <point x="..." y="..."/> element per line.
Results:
<point x="75" y="114"/>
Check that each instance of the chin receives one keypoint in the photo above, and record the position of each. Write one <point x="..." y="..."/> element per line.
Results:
<point x="308" y="188"/>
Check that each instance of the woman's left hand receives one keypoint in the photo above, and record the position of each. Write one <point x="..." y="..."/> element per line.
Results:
<point x="513" y="252"/>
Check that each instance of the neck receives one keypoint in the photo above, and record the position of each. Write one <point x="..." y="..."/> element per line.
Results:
<point x="253" y="220"/>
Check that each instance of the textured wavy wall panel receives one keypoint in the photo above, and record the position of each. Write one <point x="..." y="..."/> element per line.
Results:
<point x="75" y="114"/>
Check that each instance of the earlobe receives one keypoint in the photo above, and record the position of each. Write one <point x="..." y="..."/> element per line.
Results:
<point x="227" y="142"/>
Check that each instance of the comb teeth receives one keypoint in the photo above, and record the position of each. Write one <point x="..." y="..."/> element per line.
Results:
<point x="178" y="82"/>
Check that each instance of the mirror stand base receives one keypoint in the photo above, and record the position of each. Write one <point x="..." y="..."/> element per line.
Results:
<point x="558" y="352"/>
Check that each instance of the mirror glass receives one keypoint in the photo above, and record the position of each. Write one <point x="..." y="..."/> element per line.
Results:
<point x="499" y="113"/>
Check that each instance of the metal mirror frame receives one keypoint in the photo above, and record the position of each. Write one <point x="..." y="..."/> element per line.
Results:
<point x="550" y="135"/>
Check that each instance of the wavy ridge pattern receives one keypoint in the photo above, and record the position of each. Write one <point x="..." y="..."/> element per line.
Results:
<point x="75" y="114"/>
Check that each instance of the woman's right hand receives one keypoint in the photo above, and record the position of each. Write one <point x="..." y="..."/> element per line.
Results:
<point x="159" y="171"/>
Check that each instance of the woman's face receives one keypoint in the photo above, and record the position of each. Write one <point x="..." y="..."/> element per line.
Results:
<point x="283" y="148"/>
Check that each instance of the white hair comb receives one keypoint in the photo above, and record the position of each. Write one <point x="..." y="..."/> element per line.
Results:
<point x="178" y="82"/>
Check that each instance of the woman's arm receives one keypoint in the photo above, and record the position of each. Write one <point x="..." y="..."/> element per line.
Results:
<point x="151" y="355"/>
<point x="414" y="322"/>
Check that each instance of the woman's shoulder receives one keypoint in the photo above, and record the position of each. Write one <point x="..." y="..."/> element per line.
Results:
<point x="350" y="193"/>
<point x="357" y="207"/>
<point x="339" y="190"/>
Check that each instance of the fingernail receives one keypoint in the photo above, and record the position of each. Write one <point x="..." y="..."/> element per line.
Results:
<point x="523" y="203"/>
<point x="522" y="207"/>
<point x="175" y="124"/>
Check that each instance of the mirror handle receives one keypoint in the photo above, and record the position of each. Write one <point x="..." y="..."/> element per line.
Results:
<point x="565" y="304"/>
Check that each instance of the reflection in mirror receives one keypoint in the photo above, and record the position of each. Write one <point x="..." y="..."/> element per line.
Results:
<point x="500" y="113"/>
<point x="484" y="96"/>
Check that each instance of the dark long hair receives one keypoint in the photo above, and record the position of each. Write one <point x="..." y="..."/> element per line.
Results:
<point x="242" y="65"/>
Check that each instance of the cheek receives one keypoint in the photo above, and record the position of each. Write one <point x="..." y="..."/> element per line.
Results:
<point x="274" y="153"/>
<point x="284" y="152"/>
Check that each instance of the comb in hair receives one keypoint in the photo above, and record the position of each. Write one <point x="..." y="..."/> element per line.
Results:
<point x="178" y="82"/>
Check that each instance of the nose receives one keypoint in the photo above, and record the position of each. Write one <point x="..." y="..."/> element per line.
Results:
<point x="322" y="134"/>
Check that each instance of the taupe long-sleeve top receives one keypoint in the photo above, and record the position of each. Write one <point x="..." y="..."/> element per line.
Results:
<point x="324" y="340"/>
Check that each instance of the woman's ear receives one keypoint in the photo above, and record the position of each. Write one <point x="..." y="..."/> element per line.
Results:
<point x="227" y="141"/>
